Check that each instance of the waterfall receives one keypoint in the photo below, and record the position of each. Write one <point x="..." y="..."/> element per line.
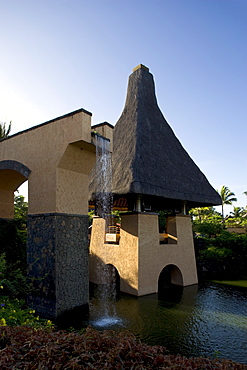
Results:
<point x="103" y="178"/>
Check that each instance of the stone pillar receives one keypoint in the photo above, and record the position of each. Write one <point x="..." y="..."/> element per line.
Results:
<point x="57" y="256"/>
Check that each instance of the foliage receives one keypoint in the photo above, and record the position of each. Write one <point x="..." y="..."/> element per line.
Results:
<point x="15" y="313"/>
<point x="207" y="228"/>
<point x="117" y="216"/>
<point x="27" y="348"/>
<point x="206" y="221"/>
<point x="13" y="258"/>
<point x="13" y="243"/>
<point x="13" y="281"/>
<point x="201" y="214"/>
<point x="237" y="218"/>
<point x="227" y="197"/>
<point x="236" y="222"/>
<point x="162" y="219"/>
<point x="4" y="131"/>
<point x="226" y="254"/>
<point x="20" y="210"/>
<point x="238" y="212"/>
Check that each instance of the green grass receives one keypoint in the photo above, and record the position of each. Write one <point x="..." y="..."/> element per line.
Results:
<point x="238" y="283"/>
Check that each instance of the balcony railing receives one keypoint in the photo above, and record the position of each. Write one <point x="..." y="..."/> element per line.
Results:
<point x="164" y="238"/>
<point x="113" y="234"/>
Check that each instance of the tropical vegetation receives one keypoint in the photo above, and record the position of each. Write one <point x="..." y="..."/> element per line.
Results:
<point x="219" y="252"/>
<point x="227" y="197"/>
<point x="4" y="131"/>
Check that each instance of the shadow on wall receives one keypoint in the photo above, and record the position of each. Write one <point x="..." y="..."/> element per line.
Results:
<point x="170" y="278"/>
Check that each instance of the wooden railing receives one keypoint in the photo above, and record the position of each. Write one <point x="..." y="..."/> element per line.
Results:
<point x="165" y="236"/>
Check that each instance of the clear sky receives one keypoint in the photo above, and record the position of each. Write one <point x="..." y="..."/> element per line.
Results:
<point x="60" y="55"/>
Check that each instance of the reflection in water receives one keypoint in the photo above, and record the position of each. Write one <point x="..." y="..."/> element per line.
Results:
<point x="192" y="321"/>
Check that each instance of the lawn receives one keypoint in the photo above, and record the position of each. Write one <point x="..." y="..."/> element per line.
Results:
<point x="238" y="283"/>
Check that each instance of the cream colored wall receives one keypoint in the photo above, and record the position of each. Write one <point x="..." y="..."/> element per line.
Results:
<point x="237" y="230"/>
<point x="140" y="258"/>
<point x="128" y="255"/>
<point x="157" y="256"/>
<point x="60" y="156"/>
<point x="182" y="254"/>
<point x="148" y="250"/>
<point x="153" y="256"/>
<point x="123" y="256"/>
<point x="6" y="204"/>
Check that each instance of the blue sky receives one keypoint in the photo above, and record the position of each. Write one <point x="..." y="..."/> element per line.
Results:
<point x="61" y="55"/>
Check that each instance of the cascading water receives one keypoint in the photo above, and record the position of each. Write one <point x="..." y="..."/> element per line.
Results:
<point x="106" y="290"/>
<point x="103" y="178"/>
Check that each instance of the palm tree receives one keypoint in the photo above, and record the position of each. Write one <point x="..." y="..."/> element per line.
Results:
<point x="227" y="197"/>
<point x="237" y="212"/>
<point x="4" y="131"/>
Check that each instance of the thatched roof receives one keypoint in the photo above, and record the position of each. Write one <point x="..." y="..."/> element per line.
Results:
<point x="147" y="156"/>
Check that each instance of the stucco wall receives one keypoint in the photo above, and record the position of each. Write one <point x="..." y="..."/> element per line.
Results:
<point x="123" y="256"/>
<point x="60" y="157"/>
<point x="139" y="257"/>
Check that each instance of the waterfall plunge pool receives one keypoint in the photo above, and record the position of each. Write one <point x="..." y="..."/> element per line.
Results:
<point x="206" y="320"/>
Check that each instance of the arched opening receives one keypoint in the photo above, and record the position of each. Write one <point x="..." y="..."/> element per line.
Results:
<point x="12" y="175"/>
<point x="170" y="282"/>
<point x="13" y="227"/>
<point x="109" y="286"/>
<point x="111" y="281"/>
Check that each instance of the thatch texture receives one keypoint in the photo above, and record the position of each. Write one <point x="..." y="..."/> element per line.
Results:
<point x="147" y="156"/>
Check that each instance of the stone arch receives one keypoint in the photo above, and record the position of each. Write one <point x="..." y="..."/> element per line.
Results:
<point x="170" y="275"/>
<point x="12" y="175"/>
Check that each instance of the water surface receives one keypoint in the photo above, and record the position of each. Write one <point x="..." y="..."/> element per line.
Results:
<point x="205" y="320"/>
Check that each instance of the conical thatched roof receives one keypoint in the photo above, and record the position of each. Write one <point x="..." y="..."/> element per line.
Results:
<point x="147" y="157"/>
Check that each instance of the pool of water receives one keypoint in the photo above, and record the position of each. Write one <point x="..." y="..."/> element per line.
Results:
<point x="206" y="320"/>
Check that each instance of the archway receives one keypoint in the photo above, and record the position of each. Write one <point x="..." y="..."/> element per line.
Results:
<point x="111" y="280"/>
<point x="12" y="175"/>
<point x="170" y="275"/>
<point x="170" y="284"/>
<point x="108" y="284"/>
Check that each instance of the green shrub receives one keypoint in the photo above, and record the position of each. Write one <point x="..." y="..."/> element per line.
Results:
<point x="12" y="279"/>
<point x="225" y="254"/>
<point x="207" y="228"/>
<point x="13" y="312"/>
<point x="13" y="243"/>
